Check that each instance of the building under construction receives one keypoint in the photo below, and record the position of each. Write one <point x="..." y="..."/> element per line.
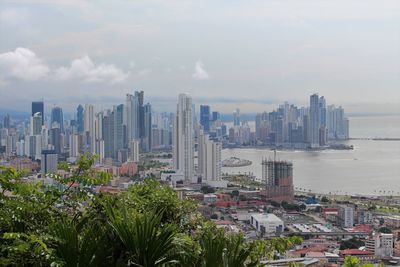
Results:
<point x="278" y="176"/>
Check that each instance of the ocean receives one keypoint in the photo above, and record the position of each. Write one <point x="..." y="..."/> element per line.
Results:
<point x="373" y="167"/>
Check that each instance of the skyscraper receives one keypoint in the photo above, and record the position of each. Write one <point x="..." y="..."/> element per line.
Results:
<point x="38" y="106"/>
<point x="49" y="162"/>
<point x="278" y="176"/>
<point x="36" y="124"/>
<point x="79" y="119"/>
<point x="57" y="117"/>
<point x="209" y="160"/>
<point x="205" y="117"/>
<point x="118" y="129"/>
<point x="89" y="127"/>
<point x="7" y="121"/>
<point x="132" y="116"/>
<point x="236" y="117"/>
<point x="183" y="139"/>
<point x="147" y="126"/>
<point x="314" y="121"/>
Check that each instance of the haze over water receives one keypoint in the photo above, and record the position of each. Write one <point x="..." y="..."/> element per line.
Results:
<point x="372" y="166"/>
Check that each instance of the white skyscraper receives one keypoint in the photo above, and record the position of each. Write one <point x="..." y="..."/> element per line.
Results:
<point x="314" y="121"/>
<point x="209" y="161"/>
<point x="183" y="138"/>
<point x="131" y="119"/>
<point x="89" y="126"/>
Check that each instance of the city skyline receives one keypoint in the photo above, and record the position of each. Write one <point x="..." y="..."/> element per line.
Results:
<point x="285" y="50"/>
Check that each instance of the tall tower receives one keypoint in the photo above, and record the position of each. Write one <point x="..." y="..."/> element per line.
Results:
<point x="132" y="116"/>
<point x="278" y="176"/>
<point x="314" y="121"/>
<point x="38" y="106"/>
<point x="57" y="117"/>
<point x="79" y="119"/>
<point x="205" y="117"/>
<point x="36" y="124"/>
<point x="236" y="117"/>
<point x="183" y="139"/>
<point x="89" y="127"/>
<point x="118" y="129"/>
<point x="209" y="160"/>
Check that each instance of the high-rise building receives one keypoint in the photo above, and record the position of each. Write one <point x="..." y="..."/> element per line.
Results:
<point x="205" y="117"/>
<point x="132" y="116"/>
<point x="236" y="117"/>
<point x="80" y="119"/>
<point x="57" y="117"/>
<point x="108" y="134"/>
<point x="183" y="139"/>
<point x="134" y="150"/>
<point x="147" y="126"/>
<point x="7" y="121"/>
<point x="314" y="121"/>
<point x="89" y="128"/>
<point x="209" y="161"/>
<point x="118" y="129"/>
<point x="38" y="106"/>
<point x="346" y="216"/>
<point x="49" y="161"/>
<point x="216" y="116"/>
<point x="36" y="124"/>
<point x="278" y="176"/>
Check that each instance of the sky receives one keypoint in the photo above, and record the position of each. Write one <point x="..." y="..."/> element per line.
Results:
<point x="248" y="54"/>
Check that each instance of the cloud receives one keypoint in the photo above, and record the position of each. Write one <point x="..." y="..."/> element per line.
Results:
<point x="22" y="64"/>
<point x="199" y="72"/>
<point x="85" y="69"/>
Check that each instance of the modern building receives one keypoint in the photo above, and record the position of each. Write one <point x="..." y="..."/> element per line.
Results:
<point x="315" y="116"/>
<point x="209" y="161"/>
<point x="183" y="138"/>
<point x="278" y="176"/>
<point x="205" y="117"/>
<point x="236" y="117"/>
<point x="36" y="124"/>
<point x="267" y="224"/>
<point x="132" y="116"/>
<point x="346" y="216"/>
<point x="38" y="106"/>
<point x="80" y="119"/>
<point x="57" y="118"/>
<point x="89" y="128"/>
<point x="134" y="151"/>
<point x="49" y="161"/>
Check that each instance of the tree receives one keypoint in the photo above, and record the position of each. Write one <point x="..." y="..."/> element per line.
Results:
<point x="206" y="189"/>
<point x="147" y="225"/>
<point x="385" y="230"/>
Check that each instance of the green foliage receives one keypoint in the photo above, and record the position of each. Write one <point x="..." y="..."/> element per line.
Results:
<point x="206" y="189"/>
<point x="385" y="230"/>
<point x="148" y="225"/>
<point x="354" y="262"/>
<point x="351" y="243"/>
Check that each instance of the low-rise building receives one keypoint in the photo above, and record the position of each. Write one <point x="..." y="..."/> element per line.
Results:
<point x="268" y="223"/>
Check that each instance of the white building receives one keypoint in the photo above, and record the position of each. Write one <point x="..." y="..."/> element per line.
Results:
<point x="380" y="244"/>
<point x="134" y="150"/>
<point x="209" y="161"/>
<point x="132" y="116"/>
<point x="346" y="216"/>
<point x="183" y="138"/>
<point x="268" y="223"/>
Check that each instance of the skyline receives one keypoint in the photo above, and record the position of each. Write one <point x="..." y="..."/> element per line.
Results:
<point x="286" y="50"/>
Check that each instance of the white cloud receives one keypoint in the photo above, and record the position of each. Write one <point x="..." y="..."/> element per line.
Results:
<point x="85" y="69"/>
<point x="199" y="72"/>
<point x="22" y="64"/>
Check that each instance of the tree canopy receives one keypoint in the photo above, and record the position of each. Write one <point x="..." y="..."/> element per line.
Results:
<point x="68" y="224"/>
